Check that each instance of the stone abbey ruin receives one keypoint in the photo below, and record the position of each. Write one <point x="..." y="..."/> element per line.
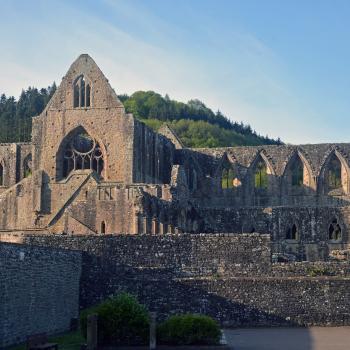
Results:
<point x="97" y="170"/>
<point x="100" y="203"/>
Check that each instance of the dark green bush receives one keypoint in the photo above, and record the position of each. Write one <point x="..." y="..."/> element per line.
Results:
<point x="189" y="330"/>
<point x="121" y="321"/>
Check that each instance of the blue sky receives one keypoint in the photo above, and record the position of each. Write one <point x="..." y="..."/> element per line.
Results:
<point x="281" y="66"/>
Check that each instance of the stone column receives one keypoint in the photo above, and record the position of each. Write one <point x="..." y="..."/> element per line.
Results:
<point x="163" y="228"/>
<point x="155" y="227"/>
<point x="145" y="224"/>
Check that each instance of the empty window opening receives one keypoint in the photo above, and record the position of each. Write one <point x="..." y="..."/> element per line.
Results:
<point x="227" y="178"/>
<point x="260" y="176"/>
<point x="334" y="174"/>
<point x="334" y="231"/>
<point x="298" y="174"/>
<point x="82" y="152"/>
<point x="27" y="166"/>
<point x="292" y="232"/>
<point x="103" y="227"/>
<point x="82" y="93"/>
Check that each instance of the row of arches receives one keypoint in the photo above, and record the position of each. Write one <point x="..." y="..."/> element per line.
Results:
<point x="293" y="233"/>
<point x="334" y="175"/>
<point x="334" y="231"/>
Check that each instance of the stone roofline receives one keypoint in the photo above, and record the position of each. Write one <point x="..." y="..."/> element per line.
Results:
<point x="325" y="144"/>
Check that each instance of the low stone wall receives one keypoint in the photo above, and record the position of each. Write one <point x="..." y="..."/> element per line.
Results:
<point x="234" y="302"/>
<point x="229" y="277"/>
<point x="39" y="291"/>
<point x="182" y="255"/>
<point x="311" y="269"/>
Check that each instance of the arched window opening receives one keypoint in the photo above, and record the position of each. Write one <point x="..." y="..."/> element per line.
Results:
<point x="103" y="227"/>
<point x="227" y="178"/>
<point x="82" y="93"/>
<point x="334" y="231"/>
<point x="192" y="179"/>
<point x="260" y="176"/>
<point x="298" y="174"/>
<point x="1" y="175"/>
<point x="82" y="152"/>
<point x="292" y="232"/>
<point x="27" y="166"/>
<point x="333" y="174"/>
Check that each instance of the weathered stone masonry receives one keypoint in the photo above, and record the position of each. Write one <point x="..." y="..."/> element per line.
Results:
<point x="229" y="277"/>
<point x="92" y="168"/>
<point x="39" y="290"/>
<point x="117" y="206"/>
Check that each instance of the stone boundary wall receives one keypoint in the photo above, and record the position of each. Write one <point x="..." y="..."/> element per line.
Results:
<point x="229" y="277"/>
<point x="39" y="289"/>
<point x="182" y="255"/>
<point x="311" y="269"/>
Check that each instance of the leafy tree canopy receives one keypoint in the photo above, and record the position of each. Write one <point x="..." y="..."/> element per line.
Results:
<point x="195" y="123"/>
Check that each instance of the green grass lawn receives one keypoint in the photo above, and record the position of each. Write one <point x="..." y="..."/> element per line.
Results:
<point x="67" y="341"/>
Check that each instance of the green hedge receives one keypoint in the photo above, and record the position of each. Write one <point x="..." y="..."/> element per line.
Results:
<point x="189" y="330"/>
<point x="121" y="321"/>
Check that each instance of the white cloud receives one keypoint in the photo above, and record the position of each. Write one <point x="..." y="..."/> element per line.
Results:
<point x="242" y="77"/>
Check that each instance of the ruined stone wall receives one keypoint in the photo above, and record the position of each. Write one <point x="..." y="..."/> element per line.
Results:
<point x="39" y="291"/>
<point x="104" y="120"/>
<point x="20" y="202"/>
<point x="12" y="157"/>
<point x="312" y="223"/>
<point x="229" y="277"/>
<point x="153" y="156"/>
<point x="280" y="162"/>
<point x="181" y="254"/>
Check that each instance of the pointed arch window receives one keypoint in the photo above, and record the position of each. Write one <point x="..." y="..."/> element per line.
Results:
<point x="227" y="177"/>
<point x="292" y="232"/>
<point x="333" y="174"/>
<point x="103" y="227"/>
<point x="260" y="175"/>
<point x="82" y="93"/>
<point x="334" y="231"/>
<point x="298" y="173"/>
<point x="82" y="152"/>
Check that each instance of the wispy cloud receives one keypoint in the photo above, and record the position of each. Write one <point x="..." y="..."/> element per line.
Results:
<point x="229" y="69"/>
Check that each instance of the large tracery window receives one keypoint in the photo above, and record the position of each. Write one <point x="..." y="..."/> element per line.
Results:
<point x="82" y="152"/>
<point x="82" y="92"/>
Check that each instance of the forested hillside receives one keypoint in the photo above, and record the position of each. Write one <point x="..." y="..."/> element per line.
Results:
<point x="16" y="116"/>
<point x="195" y="124"/>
